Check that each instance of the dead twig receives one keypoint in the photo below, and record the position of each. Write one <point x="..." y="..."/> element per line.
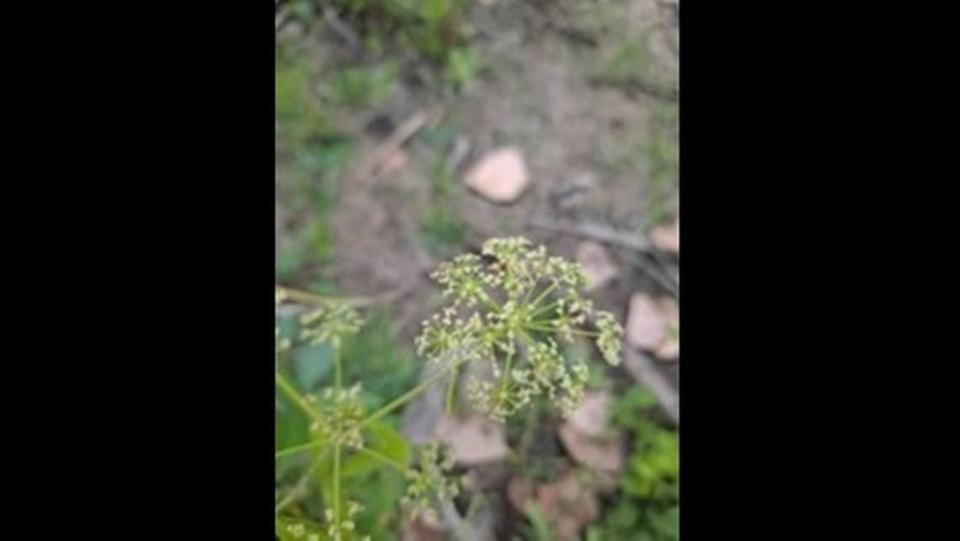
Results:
<point x="380" y="155"/>
<point x="642" y="368"/>
<point x="306" y="298"/>
<point x="650" y="88"/>
<point x="595" y="231"/>
<point x="608" y="235"/>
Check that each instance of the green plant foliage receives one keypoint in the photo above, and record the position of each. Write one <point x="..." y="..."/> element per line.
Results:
<point x="647" y="507"/>
<point x="628" y="64"/>
<point x="442" y="227"/>
<point x="662" y="152"/>
<point x="462" y="66"/>
<point x="349" y="435"/>
<point x="361" y="86"/>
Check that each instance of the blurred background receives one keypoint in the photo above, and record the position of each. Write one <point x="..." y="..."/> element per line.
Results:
<point x="409" y="131"/>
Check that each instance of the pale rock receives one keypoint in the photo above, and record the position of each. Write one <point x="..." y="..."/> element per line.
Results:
<point x="597" y="265"/>
<point x="653" y="325"/>
<point x="474" y="439"/>
<point x="592" y="415"/>
<point x="666" y="238"/>
<point x="645" y="322"/>
<point x="602" y="454"/>
<point x="501" y="176"/>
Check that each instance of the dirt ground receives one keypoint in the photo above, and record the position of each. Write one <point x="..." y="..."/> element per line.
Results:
<point x="551" y="86"/>
<point x="537" y="91"/>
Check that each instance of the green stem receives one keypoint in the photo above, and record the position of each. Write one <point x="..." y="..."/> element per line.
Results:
<point x="297" y="490"/>
<point x="488" y="302"/>
<point x="546" y="308"/>
<point x="575" y="332"/>
<point x="294" y="396"/>
<point x="383" y="458"/>
<point x="451" y="387"/>
<point x="305" y="297"/>
<point x="338" y="369"/>
<point x="409" y="395"/>
<point x="544" y="293"/>
<point x="302" y="447"/>
<point x="336" y="485"/>
<point x="506" y="371"/>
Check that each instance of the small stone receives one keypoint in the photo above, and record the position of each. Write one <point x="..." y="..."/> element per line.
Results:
<point x="653" y="325"/>
<point x="602" y="454"/>
<point x="597" y="265"/>
<point x="645" y="322"/>
<point x="669" y="350"/>
<point x="474" y="439"/>
<point x="592" y="415"/>
<point x="501" y="176"/>
<point x="666" y="238"/>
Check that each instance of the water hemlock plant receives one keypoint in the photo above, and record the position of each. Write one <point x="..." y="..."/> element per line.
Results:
<point x="509" y="308"/>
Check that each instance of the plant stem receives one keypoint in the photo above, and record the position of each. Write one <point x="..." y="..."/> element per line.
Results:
<point x="338" y="369"/>
<point x="295" y="397"/>
<point x="506" y="371"/>
<point x="336" y="484"/>
<point x="488" y="302"/>
<point x="409" y="395"/>
<point x="383" y="458"/>
<point x="546" y="308"/>
<point x="451" y="387"/>
<point x="309" y="298"/>
<point x="529" y="430"/>
<point x="575" y="332"/>
<point x="296" y="490"/>
<point x="546" y="291"/>
<point x="302" y="447"/>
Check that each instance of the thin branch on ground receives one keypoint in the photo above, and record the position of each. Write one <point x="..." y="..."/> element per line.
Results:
<point x="380" y="155"/>
<point x="594" y="231"/>
<point x="623" y="239"/>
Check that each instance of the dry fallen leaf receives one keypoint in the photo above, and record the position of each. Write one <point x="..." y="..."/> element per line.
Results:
<point x="597" y="265"/>
<point x="474" y="439"/>
<point x="501" y="176"/>
<point x="666" y="237"/>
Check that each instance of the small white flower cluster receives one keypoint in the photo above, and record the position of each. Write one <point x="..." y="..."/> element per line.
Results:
<point x="549" y="375"/>
<point x="329" y="323"/>
<point x="506" y="304"/>
<point x="340" y="414"/>
<point x="299" y="531"/>
<point x="430" y="481"/>
<point x="345" y="529"/>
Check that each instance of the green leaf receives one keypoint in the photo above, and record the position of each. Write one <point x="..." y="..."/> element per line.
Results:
<point x="387" y="441"/>
<point x="382" y="439"/>
<point x="312" y="364"/>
